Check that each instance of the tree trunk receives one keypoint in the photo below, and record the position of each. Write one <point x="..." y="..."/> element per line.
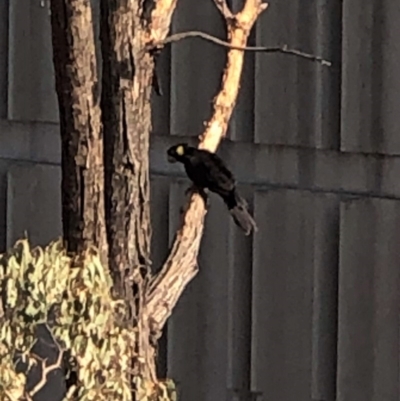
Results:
<point x="110" y="186"/>
<point x="80" y="124"/>
<point x="125" y="102"/>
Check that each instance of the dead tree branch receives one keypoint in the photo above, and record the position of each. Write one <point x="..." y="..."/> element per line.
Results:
<point x="181" y="265"/>
<point x="259" y="49"/>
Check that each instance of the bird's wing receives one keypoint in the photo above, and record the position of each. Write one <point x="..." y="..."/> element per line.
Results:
<point x="218" y="174"/>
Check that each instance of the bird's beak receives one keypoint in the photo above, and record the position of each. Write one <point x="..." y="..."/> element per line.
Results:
<point x="171" y="159"/>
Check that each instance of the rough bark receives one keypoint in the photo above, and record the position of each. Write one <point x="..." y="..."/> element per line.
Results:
<point x="80" y="124"/>
<point x="126" y="88"/>
<point x="181" y="265"/>
<point x="126" y="36"/>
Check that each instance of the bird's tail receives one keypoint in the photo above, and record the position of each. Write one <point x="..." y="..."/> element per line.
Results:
<point x="241" y="216"/>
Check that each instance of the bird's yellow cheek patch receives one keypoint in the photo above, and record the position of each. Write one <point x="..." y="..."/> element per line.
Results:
<point x="180" y="150"/>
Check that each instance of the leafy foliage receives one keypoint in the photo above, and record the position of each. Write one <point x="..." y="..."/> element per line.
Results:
<point x="72" y="298"/>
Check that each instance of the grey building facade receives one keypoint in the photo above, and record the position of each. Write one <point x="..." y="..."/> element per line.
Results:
<point x="307" y="309"/>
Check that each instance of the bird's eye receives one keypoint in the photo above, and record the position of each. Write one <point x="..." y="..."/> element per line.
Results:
<point x="180" y="150"/>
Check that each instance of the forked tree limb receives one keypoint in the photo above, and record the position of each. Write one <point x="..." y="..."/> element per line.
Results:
<point x="238" y="32"/>
<point x="181" y="264"/>
<point x="46" y="370"/>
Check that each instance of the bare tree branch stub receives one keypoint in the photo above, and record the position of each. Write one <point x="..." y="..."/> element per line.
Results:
<point x="161" y="20"/>
<point x="181" y="264"/>
<point x="224" y="9"/>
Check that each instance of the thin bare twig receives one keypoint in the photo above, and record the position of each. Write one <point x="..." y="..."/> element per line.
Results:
<point x="260" y="49"/>
<point x="46" y="369"/>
